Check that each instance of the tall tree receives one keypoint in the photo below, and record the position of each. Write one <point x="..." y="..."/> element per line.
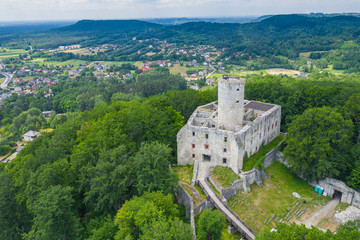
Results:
<point x="55" y="217"/>
<point x="151" y="164"/>
<point x="317" y="143"/>
<point x="211" y="224"/>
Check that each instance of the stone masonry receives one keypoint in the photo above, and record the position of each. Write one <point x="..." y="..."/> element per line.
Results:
<point x="222" y="133"/>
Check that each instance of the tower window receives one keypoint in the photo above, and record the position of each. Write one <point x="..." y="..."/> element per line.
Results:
<point x="206" y="146"/>
<point x="225" y="139"/>
<point x="238" y="89"/>
<point x="276" y="124"/>
<point x="193" y="145"/>
<point x="193" y="155"/>
<point x="224" y="160"/>
<point x="237" y="101"/>
<point x="225" y="150"/>
<point x="206" y="136"/>
<point x="193" y="133"/>
<point x="272" y="126"/>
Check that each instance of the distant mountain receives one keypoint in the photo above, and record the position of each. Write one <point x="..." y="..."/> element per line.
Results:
<point x="178" y="21"/>
<point x="109" y="26"/>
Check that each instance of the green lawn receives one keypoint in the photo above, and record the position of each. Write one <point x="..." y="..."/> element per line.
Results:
<point x="275" y="197"/>
<point x="256" y="160"/>
<point x="224" y="176"/>
<point x="184" y="173"/>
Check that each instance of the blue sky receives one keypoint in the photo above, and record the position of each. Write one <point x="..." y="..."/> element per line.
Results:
<point x="18" y="10"/>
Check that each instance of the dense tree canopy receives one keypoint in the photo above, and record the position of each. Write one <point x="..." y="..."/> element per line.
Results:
<point x="317" y="143"/>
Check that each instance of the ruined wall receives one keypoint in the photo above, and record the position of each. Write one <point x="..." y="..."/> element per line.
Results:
<point x="262" y="130"/>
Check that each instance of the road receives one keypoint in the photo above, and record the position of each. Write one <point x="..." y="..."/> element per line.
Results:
<point x="213" y="70"/>
<point x="5" y="83"/>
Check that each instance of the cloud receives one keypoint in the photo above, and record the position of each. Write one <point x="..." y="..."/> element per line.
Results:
<point x="120" y="9"/>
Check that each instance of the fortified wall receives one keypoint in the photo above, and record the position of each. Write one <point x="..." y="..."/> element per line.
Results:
<point x="221" y="133"/>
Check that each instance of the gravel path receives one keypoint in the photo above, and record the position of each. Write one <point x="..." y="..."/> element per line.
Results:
<point x="326" y="211"/>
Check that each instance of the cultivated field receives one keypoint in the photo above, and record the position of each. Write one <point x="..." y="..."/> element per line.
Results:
<point x="278" y="71"/>
<point x="7" y="53"/>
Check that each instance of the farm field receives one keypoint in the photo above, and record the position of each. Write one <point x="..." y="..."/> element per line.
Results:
<point x="278" y="71"/>
<point x="11" y="52"/>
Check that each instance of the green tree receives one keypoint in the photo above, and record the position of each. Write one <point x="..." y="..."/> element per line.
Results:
<point x="352" y="109"/>
<point x="55" y="217"/>
<point x="317" y="143"/>
<point x="151" y="163"/>
<point x="211" y="224"/>
<point x="140" y="212"/>
<point x="167" y="230"/>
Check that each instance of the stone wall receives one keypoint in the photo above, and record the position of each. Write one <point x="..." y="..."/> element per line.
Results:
<point x="330" y="185"/>
<point x="250" y="177"/>
<point x="185" y="199"/>
<point x="202" y="206"/>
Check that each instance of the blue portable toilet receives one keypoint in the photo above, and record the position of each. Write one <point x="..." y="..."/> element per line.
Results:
<point x="321" y="190"/>
<point x="316" y="188"/>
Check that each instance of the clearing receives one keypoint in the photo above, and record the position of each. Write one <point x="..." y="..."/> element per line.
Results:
<point x="177" y="69"/>
<point x="275" y="197"/>
<point x="278" y="71"/>
<point x="307" y="54"/>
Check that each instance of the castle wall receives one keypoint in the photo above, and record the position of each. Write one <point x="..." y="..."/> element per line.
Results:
<point x="261" y="131"/>
<point x="225" y="147"/>
<point x="199" y="142"/>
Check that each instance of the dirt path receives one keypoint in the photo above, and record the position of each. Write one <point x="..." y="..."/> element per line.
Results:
<point x="326" y="211"/>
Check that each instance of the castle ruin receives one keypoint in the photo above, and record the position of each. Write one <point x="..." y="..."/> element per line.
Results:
<point x="222" y="133"/>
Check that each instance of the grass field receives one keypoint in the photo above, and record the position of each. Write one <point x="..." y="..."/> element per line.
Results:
<point x="257" y="159"/>
<point x="274" y="197"/>
<point x="224" y="176"/>
<point x="73" y="62"/>
<point x="11" y="52"/>
<point x="306" y="55"/>
<point x="177" y="69"/>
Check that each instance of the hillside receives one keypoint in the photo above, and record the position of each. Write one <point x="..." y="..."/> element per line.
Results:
<point x="109" y="26"/>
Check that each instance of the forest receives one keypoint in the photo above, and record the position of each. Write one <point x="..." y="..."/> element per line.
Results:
<point x="102" y="167"/>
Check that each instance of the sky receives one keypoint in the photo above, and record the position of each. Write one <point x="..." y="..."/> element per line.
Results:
<point x="20" y="10"/>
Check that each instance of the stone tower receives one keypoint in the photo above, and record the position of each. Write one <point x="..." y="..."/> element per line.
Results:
<point x="231" y="102"/>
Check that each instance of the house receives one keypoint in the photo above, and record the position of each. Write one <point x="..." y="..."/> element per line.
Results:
<point x="46" y="114"/>
<point x="145" y="68"/>
<point x="210" y="81"/>
<point x="31" y="135"/>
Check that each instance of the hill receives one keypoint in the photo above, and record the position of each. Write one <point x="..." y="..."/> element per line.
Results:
<point x="109" y="26"/>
